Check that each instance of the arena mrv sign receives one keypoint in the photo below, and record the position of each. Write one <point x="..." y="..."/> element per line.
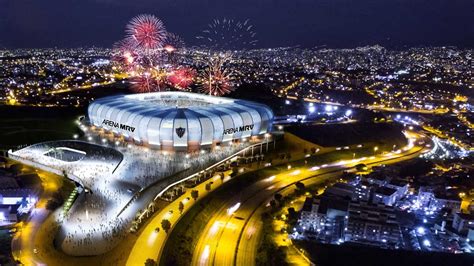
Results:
<point x="237" y="129"/>
<point x="111" y="123"/>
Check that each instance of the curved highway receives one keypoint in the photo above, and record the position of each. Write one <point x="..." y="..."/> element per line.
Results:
<point x="232" y="238"/>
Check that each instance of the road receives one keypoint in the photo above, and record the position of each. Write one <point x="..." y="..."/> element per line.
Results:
<point x="23" y="247"/>
<point x="232" y="239"/>
<point x="150" y="243"/>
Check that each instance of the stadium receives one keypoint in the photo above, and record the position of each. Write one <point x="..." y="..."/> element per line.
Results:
<point x="180" y="120"/>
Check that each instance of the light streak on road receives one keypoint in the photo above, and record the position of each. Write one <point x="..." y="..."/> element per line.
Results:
<point x="205" y="255"/>
<point x="215" y="228"/>
<point x="271" y="178"/>
<point x="296" y="172"/>
<point x="233" y="209"/>
<point x="152" y="238"/>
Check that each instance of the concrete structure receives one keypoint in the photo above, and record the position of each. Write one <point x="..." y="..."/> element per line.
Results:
<point x="372" y="223"/>
<point x="385" y="195"/>
<point x="180" y="120"/>
<point x="462" y="222"/>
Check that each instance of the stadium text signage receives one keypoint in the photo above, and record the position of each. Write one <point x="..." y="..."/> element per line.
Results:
<point x="237" y="129"/>
<point x="111" y="123"/>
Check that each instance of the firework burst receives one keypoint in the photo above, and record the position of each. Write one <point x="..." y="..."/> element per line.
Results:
<point x="172" y="48"/>
<point x="182" y="78"/>
<point x="125" y="55"/>
<point x="173" y="43"/>
<point x="228" y="34"/>
<point x="216" y="79"/>
<point x="146" y="32"/>
<point x="151" y="81"/>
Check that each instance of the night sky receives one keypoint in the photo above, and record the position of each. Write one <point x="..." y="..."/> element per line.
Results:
<point x="307" y="23"/>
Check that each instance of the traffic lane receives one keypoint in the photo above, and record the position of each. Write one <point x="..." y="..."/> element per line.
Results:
<point x="245" y="246"/>
<point x="222" y="252"/>
<point x="204" y="247"/>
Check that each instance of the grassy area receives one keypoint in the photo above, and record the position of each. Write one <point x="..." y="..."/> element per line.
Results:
<point x="22" y="125"/>
<point x="351" y="134"/>
<point x="29" y="130"/>
<point x="269" y="253"/>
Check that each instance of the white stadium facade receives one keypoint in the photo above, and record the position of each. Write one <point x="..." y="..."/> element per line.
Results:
<point x="180" y="120"/>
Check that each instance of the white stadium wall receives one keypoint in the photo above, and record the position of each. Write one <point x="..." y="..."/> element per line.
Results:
<point x="180" y="120"/>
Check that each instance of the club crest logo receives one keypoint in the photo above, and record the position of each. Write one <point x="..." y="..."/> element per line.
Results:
<point x="180" y="131"/>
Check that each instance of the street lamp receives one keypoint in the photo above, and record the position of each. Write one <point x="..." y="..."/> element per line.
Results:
<point x="266" y="140"/>
<point x="376" y="148"/>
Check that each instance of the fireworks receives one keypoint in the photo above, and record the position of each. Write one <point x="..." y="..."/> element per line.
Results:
<point x="228" y="34"/>
<point x="148" y="81"/>
<point x="173" y="43"/>
<point x="216" y="79"/>
<point x="125" y="55"/>
<point x="146" y="32"/>
<point x="173" y="46"/>
<point x="182" y="78"/>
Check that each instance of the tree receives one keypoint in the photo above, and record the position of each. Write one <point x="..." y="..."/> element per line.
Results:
<point x="150" y="262"/>
<point x="300" y="186"/>
<point x="166" y="225"/>
<point x="273" y="204"/>
<point x="278" y="197"/>
<point x="292" y="214"/>
<point x="235" y="171"/>
<point x="55" y="201"/>
<point x="194" y="194"/>
<point x="16" y="169"/>
<point x="52" y="205"/>
<point x="208" y="186"/>
<point x="361" y="167"/>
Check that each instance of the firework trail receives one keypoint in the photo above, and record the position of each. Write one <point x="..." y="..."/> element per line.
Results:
<point x="216" y="79"/>
<point x="149" y="81"/>
<point x="228" y="34"/>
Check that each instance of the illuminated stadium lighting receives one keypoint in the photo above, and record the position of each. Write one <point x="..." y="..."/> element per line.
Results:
<point x="180" y="120"/>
